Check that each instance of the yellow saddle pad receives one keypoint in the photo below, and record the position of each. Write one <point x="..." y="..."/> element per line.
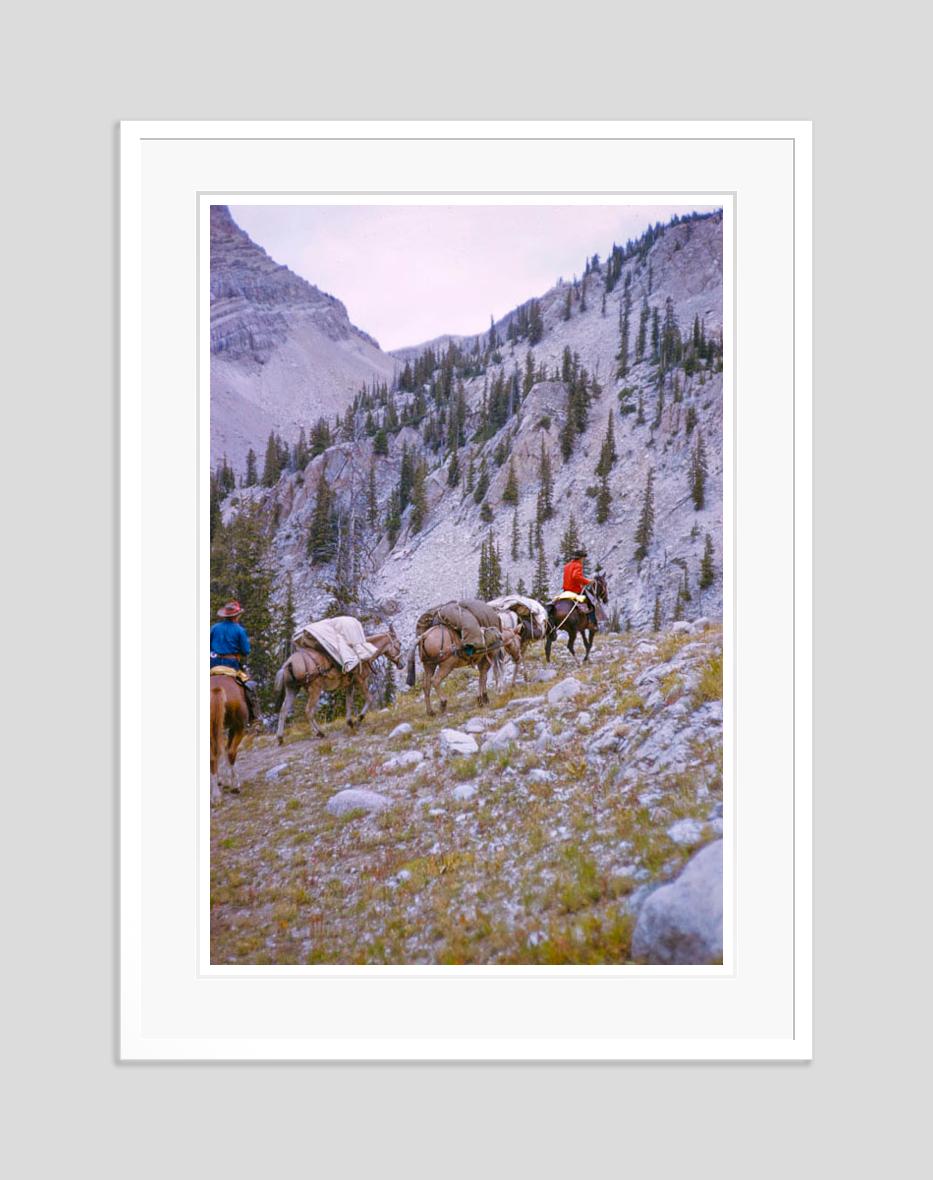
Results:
<point x="569" y="594"/>
<point x="221" y="670"/>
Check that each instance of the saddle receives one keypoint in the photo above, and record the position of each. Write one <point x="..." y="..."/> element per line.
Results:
<point x="236" y="673"/>
<point x="569" y="596"/>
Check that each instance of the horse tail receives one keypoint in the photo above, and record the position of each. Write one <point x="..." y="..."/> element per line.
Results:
<point x="280" y="682"/>
<point x="410" y="678"/>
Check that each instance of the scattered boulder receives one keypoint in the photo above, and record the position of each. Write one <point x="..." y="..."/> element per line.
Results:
<point x="464" y="791"/>
<point x="406" y="758"/>
<point x="356" y="799"/>
<point x="547" y="674"/>
<point x="477" y="725"/>
<point x="455" y="741"/>
<point x="583" y="719"/>
<point x="685" y="831"/>
<point x="682" y="922"/>
<point x="274" y="773"/>
<point x="699" y="625"/>
<point x="565" y="691"/>
<point x="681" y="627"/>
<point x="400" y="730"/>
<point x="502" y="737"/>
<point x="539" y="776"/>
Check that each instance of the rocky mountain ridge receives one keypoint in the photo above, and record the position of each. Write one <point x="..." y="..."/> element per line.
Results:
<point x="283" y="353"/>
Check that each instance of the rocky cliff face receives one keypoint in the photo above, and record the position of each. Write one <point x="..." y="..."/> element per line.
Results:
<point x="441" y="560"/>
<point x="283" y="353"/>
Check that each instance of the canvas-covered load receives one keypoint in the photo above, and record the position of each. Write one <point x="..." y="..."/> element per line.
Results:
<point x="342" y="638"/>
<point x="475" y="622"/>
<point x="524" y="608"/>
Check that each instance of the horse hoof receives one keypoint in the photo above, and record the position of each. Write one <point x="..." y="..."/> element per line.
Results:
<point x="443" y="706"/>
<point x="234" y="790"/>
<point x="280" y="741"/>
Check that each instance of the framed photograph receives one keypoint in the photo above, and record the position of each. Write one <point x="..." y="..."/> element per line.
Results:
<point x="467" y="468"/>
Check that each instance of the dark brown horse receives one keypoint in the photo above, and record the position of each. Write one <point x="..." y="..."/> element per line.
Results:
<point x="441" y="651"/>
<point x="229" y="717"/>
<point x="316" y="672"/>
<point x="574" y="618"/>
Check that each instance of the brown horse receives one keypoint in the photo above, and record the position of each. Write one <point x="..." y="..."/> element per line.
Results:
<point x="440" y="651"/>
<point x="229" y="718"/>
<point x="575" y="618"/>
<point x="316" y="672"/>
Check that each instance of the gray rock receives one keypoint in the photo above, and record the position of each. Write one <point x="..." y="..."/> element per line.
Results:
<point x="565" y="691"/>
<point x="547" y="674"/>
<point x="682" y="922"/>
<point x="400" y="730"/>
<point x="583" y="719"/>
<point x="356" y="799"/>
<point x="274" y="773"/>
<point x="681" y="627"/>
<point x="539" y="776"/>
<point x="502" y="737"/>
<point x="476" y="725"/>
<point x="455" y="741"/>
<point x="685" y="831"/>
<point x="464" y="791"/>
<point x="699" y="625"/>
<point x="406" y="758"/>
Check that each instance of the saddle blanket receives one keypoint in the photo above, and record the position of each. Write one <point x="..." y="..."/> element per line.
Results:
<point x="569" y="594"/>
<point x="236" y="673"/>
<point x="342" y="638"/>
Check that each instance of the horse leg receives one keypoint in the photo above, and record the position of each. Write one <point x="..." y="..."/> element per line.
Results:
<point x="314" y="695"/>
<point x="547" y="646"/>
<point x="483" y="673"/>
<point x="348" y="697"/>
<point x="587" y="643"/>
<point x="285" y="712"/>
<point x="365" y="681"/>
<point x="427" y="675"/>
<point x="217" y="741"/>
<point x="441" y="672"/>
<point x="233" y="744"/>
<point x="571" y="640"/>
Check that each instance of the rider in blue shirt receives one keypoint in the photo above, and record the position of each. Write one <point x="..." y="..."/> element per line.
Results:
<point x="230" y="647"/>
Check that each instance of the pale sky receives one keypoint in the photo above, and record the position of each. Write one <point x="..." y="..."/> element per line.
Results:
<point x="408" y="273"/>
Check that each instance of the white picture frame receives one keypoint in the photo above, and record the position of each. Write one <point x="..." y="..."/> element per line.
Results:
<point x="757" y="1005"/>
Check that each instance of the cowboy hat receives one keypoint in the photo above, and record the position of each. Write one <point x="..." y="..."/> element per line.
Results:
<point x="578" y="553"/>
<point x="230" y="610"/>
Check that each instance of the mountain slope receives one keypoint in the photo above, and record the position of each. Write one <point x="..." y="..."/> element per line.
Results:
<point x="283" y="353"/>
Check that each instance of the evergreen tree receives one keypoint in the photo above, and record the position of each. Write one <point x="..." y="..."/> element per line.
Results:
<point x="388" y="685"/>
<point x="251" y="475"/>
<point x="419" y="498"/>
<point x="471" y="478"/>
<point x="516" y="537"/>
<point x="644" y="533"/>
<point x="226" y="478"/>
<point x="272" y="466"/>
<point x="691" y="419"/>
<point x="453" y="469"/>
<point x="322" y="536"/>
<point x="289" y="625"/>
<point x="640" y="416"/>
<point x="546" y="485"/>
<point x="570" y="541"/>
<point x="531" y="540"/>
<point x="372" y="503"/>
<point x="698" y="472"/>
<point x="510" y="491"/>
<point x="485" y="512"/>
<point x="657" y="620"/>
<point x="535" y="323"/>
<point x="482" y="482"/>
<point x="608" y="454"/>
<point x="241" y="568"/>
<point x="393" y="517"/>
<point x="603" y="499"/>
<point x="302" y="455"/>
<point x="642" y="338"/>
<point x="566" y="315"/>
<point x="624" y="323"/>
<point x="707" y="568"/>
<point x="380" y="442"/>
<point x="521" y="588"/>
<point x="539" y="585"/>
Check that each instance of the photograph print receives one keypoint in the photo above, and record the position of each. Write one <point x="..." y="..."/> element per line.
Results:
<point x="466" y="581"/>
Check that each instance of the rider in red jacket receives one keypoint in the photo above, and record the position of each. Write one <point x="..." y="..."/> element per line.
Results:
<point x="573" y="573"/>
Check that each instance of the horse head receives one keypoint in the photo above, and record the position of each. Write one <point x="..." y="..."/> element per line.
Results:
<point x="394" y="647"/>
<point x="602" y="588"/>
